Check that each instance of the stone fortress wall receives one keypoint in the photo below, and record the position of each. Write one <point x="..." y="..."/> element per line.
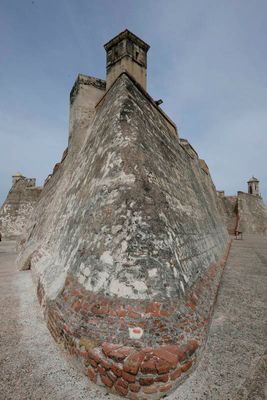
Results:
<point x="126" y="276"/>
<point x="252" y="212"/>
<point x="126" y="243"/>
<point x="245" y="212"/>
<point x="18" y="206"/>
<point x="128" y="239"/>
<point x="228" y="210"/>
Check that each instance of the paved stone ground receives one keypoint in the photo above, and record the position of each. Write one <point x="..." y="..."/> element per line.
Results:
<point x="32" y="366"/>
<point x="233" y="366"/>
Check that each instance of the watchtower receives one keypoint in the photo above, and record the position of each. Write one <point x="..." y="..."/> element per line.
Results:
<point x="126" y="53"/>
<point x="253" y="186"/>
<point x="16" y="177"/>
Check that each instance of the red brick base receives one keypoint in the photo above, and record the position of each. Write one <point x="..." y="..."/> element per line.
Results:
<point x="95" y="329"/>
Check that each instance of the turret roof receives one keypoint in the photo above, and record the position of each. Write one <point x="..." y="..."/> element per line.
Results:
<point x="126" y="34"/>
<point x="253" y="179"/>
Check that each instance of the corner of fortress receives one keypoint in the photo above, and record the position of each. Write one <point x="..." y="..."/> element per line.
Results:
<point x="128" y="239"/>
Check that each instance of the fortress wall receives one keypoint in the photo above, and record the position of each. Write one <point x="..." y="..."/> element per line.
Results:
<point x="17" y="208"/>
<point x="127" y="246"/>
<point x="43" y="217"/>
<point x="85" y="94"/>
<point x="229" y="211"/>
<point x="252" y="213"/>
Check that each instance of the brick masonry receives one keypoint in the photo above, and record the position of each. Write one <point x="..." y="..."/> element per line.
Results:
<point x="92" y="329"/>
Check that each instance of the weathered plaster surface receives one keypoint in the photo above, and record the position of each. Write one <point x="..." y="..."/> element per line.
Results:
<point x="132" y="203"/>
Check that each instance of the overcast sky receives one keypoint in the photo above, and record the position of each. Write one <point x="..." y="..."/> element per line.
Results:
<point x="208" y="62"/>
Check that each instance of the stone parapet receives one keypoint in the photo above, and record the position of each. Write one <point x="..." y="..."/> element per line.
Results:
<point x="86" y="80"/>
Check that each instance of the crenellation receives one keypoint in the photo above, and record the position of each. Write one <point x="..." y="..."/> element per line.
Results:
<point x="31" y="182"/>
<point x="188" y="148"/>
<point x="204" y="166"/>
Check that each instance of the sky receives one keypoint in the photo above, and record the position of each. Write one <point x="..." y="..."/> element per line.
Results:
<point x="207" y="61"/>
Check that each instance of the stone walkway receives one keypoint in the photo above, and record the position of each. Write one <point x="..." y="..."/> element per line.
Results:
<point x="233" y="366"/>
<point x="32" y="366"/>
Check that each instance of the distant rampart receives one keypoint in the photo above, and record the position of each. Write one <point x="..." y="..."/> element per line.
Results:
<point x="17" y="208"/>
<point x="244" y="212"/>
<point x="253" y="213"/>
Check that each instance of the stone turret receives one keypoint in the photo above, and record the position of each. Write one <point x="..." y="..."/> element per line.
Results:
<point x="126" y="53"/>
<point x="16" y="177"/>
<point x="253" y="186"/>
